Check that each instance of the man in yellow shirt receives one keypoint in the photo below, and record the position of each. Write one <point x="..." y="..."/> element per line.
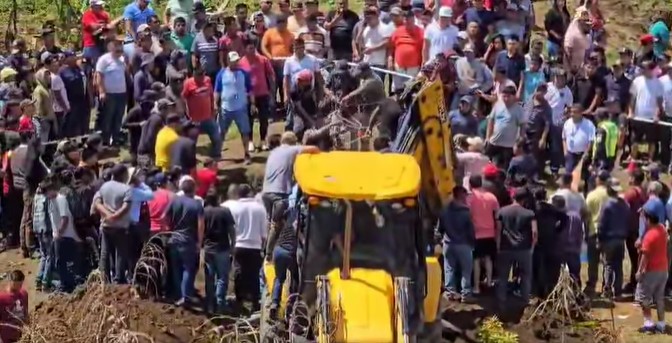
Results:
<point x="594" y="202"/>
<point x="165" y="139"/>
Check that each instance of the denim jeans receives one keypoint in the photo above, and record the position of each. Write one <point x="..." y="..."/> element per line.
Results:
<point x="555" y="146"/>
<point x="284" y="261"/>
<point x="458" y="257"/>
<point x="505" y="261"/>
<point x="183" y="257"/>
<point x="113" y="108"/>
<point x="129" y="50"/>
<point x="217" y="268"/>
<point x="211" y="128"/>
<point x="116" y="249"/>
<point x="614" y="253"/>
<point x="68" y="254"/>
<point x="91" y="53"/>
<point x="44" y="268"/>
<point x="240" y="117"/>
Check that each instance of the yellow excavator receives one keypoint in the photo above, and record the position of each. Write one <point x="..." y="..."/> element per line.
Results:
<point x="366" y="265"/>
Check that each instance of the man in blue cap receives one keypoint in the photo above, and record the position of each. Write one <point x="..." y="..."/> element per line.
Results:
<point x="462" y="119"/>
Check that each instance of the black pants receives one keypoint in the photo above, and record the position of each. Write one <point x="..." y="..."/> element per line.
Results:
<point x="269" y="200"/>
<point x="69" y="256"/>
<point x="546" y="271"/>
<point x="263" y="114"/>
<point x="116" y="250"/>
<point x="633" y="255"/>
<point x="12" y="210"/>
<point x="247" y="264"/>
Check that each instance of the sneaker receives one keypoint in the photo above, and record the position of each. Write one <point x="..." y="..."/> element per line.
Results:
<point x="251" y="147"/>
<point x="660" y="328"/>
<point x="647" y="329"/>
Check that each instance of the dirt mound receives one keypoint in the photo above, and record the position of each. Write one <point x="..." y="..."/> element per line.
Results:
<point x="106" y="313"/>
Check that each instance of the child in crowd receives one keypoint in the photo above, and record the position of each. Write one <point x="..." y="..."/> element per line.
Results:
<point x="13" y="308"/>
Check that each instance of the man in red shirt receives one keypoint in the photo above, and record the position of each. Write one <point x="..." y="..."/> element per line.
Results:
<point x="94" y="20"/>
<point x="261" y="72"/>
<point x="206" y="177"/>
<point x="27" y="112"/>
<point x="13" y="308"/>
<point x="405" y="55"/>
<point x="198" y="95"/>
<point x="232" y="40"/>
<point x="652" y="271"/>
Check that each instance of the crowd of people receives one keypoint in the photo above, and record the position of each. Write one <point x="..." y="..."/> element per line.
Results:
<point x="514" y="102"/>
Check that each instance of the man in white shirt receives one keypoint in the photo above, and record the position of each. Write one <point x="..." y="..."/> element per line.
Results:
<point x="440" y="36"/>
<point x="67" y="244"/>
<point x="647" y="104"/>
<point x="578" y="135"/>
<point x="251" y="232"/>
<point x="560" y="98"/>
<point x="374" y="39"/>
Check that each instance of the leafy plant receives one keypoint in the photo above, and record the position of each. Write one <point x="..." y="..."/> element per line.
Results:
<point x="492" y="331"/>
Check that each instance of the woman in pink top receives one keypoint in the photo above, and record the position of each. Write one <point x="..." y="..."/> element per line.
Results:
<point x="576" y="40"/>
<point x="483" y="206"/>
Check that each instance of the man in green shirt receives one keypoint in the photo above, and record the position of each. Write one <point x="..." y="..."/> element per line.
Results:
<point x="594" y="202"/>
<point x="182" y="39"/>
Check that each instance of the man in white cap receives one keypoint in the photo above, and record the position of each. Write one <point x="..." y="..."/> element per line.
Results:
<point x="440" y="36"/>
<point x="233" y="95"/>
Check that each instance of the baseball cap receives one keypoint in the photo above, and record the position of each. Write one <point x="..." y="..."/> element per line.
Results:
<point x="603" y="175"/>
<point x="96" y="3"/>
<point x="47" y="57"/>
<point x="143" y="27"/>
<point x="490" y="170"/>
<point x="7" y="72"/>
<point x="184" y="179"/>
<point x="650" y="208"/>
<point x="417" y="6"/>
<point x="233" y="56"/>
<point x="467" y="98"/>
<point x="646" y="39"/>
<point x="463" y="35"/>
<point x="396" y="10"/>
<point x="445" y="12"/>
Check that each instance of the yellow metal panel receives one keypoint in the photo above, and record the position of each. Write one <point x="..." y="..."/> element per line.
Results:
<point x="356" y="175"/>
<point x="362" y="306"/>
<point x="437" y="137"/>
<point x="433" y="296"/>
<point x="269" y="276"/>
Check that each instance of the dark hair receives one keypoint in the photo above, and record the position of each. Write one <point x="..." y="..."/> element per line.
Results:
<point x="244" y="190"/>
<point x="312" y="17"/>
<point x="282" y="18"/>
<point x="209" y="162"/>
<point x="16" y="276"/>
<point x="152" y="17"/>
<point x="274" y="140"/>
<point x="459" y="191"/>
<point x="299" y="41"/>
<point x="638" y="177"/>
<point x="179" y="20"/>
<point x="510" y="90"/>
<point x="539" y="193"/>
<point x="559" y="202"/>
<point x="241" y="5"/>
<point x="520" y="194"/>
<point x="475" y="181"/>
<point x="536" y="59"/>
<point x="211" y="197"/>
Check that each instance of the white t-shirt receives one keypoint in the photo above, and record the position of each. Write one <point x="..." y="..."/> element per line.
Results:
<point x="373" y="36"/>
<point x="578" y="136"/>
<point x="57" y="85"/>
<point x="440" y="40"/>
<point x="293" y="66"/>
<point x="646" y="92"/>
<point x="251" y="223"/>
<point x="558" y="99"/>
<point x="58" y="208"/>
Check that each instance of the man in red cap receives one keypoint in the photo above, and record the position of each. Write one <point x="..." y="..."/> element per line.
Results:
<point x="302" y="103"/>
<point x="645" y="51"/>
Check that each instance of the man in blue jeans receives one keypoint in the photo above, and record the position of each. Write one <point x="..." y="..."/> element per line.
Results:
<point x="185" y="218"/>
<point x="220" y="236"/>
<point x="459" y="239"/>
<point x="233" y="95"/>
<point x="281" y="249"/>
<point x="43" y="232"/>
<point x="516" y="236"/>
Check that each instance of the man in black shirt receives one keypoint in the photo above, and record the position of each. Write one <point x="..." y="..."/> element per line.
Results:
<point x="546" y="257"/>
<point x="281" y="248"/>
<point x="219" y="237"/>
<point x="341" y="24"/>
<point x="80" y="97"/>
<point x="135" y="120"/>
<point x="589" y="88"/>
<point x="516" y="236"/>
<point x="150" y="130"/>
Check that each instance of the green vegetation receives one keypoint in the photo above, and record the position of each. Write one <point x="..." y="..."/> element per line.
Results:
<point x="492" y="331"/>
